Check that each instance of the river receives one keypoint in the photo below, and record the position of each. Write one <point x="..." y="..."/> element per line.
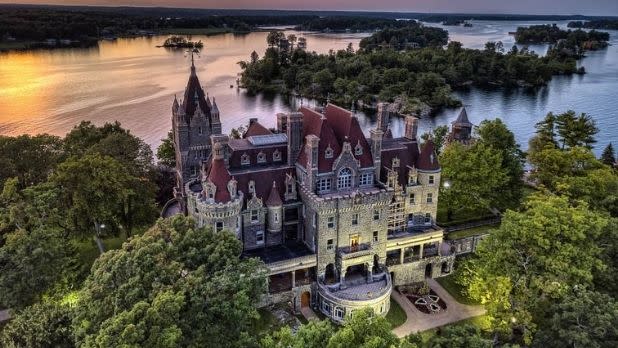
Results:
<point x="134" y="82"/>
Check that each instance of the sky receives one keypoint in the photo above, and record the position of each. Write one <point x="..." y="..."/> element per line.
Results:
<point x="589" y="7"/>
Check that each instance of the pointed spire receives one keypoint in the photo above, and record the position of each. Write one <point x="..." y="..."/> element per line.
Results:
<point x="462" y="119"/>
<point x="175" y="105"/>
<point x="214" y="106"/>
<point x="192" y="64"/>
<point x="274" y="198"/>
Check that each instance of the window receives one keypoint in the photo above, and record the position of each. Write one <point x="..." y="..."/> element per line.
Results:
<point x="376" y="214"/>
<point x="261" y="158"/>
<point x="276" y="218"/>
<point x="395" y="162"/>
<point x="237" y="223"/>
<point x="219" y="226"/>
<point x="375" y="236"/>
<point x="326" y="307"/>
<point x="354" y="219"/>
<point x="358" y="150"/>
<point x="428" y="218"/>
<point x="244" y="159"/>
<point x="255" y="216"/>
<point x="431" y="180"/>
<point x="277" y="155"/>
<point x="199" y="130"/>
<point x="411" y="198"/>
<point x="329" y="244"/>
<point x="315" y="219"/>
<point x="331" y="222"/>
<point x="194" y="169"/>
<point x="252" y="186"/>
<point x="339" y="312"/>
<point x="259" y="237"/>
<point x="366" y="179"/>
<point x="344" y="180"/>
<point x="329" y="152"/>
<point x="324" y="185"/>
<point x="289" y="188"/>
<point x="430" y="198"/>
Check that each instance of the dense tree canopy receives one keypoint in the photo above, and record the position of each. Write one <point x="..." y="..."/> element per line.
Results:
<point x="29" y="158"/>
<point x="176" y="285"/>
<point x="46" y="324"/>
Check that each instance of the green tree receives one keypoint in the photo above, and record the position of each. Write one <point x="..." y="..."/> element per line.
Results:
<point x="534" y="259"/>
<point x="95" y="193"/>
<point x="468" y="336"/>
<point x="551" y="164"/>
<point x="583" y="319"/>
<point x="46" y="324"/>
<point x="545" y="134"/>
<point x="175" y="285"/>
<point x="314" y="334"/>
<point x="473" y="177"/>
<point x="438" y="136"/>
<point x="29" y="158"/>
<point x="609" y="156"/>
<point x="497" y="136"/>
<point x="31" y="263"/>
<point x="364" y="329"/>
<point x="166" y="152"/>
<point x="576" y="130"/>
<point x="273" y="38"/>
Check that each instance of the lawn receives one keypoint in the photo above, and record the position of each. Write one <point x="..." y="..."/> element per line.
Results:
<point x="88" y="251"/>
<point x="396" y="316"/>
<point x="482" y="322"/>
<point x="471" y="231"/>
<point x="456" y="290"/>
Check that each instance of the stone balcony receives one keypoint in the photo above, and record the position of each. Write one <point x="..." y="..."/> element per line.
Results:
<point x="358" y="288"/>
<point x="350" y="252"/>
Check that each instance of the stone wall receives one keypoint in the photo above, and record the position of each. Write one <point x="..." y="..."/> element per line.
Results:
<point x="414" y="272"/>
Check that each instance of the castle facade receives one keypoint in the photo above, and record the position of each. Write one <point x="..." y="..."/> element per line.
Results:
<point x="339" y="218"/>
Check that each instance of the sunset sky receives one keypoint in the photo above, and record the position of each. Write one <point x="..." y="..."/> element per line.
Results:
<point x="590" y="7"/>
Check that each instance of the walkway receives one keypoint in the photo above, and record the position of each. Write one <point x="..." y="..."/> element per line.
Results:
<point x="308" y="313"/>
<point x="4" y="315"/>
<point x="419" y="321"/>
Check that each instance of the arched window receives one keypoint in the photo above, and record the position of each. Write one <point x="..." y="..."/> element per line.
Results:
<point x="344" y="180"/>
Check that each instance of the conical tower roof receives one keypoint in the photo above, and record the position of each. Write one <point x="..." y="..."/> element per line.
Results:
<point x="428" y="159"/>
<point x="274" y="199"/>
<point x="462" y="119"/>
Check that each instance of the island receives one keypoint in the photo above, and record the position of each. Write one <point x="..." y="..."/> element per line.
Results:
<point x="564" y="42"/>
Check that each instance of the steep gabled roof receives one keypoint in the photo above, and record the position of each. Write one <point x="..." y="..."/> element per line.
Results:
<point x="428" y="159"/>
<point x="462" y="119"/>
<point x="194" y="96"/>
<point x="255" y="129"/>
<point x="345" y="125"/>
<point x="316" y="124"/>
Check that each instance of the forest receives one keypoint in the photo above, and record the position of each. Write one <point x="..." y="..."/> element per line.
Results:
<point x="608" y="24"/>
<point x="422" y="78"/>
<point x="576" y="40"/>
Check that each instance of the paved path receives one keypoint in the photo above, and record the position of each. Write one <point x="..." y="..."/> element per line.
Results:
<point x="4" y="315"/>
<point x="308" y="313"/>
<point x="419" y="321"/>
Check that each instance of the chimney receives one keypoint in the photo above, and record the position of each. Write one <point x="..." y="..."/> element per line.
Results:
<point x="411" y="127"/>
<point x="294" y="131"/>
<point x="282" y="120"/>
<point x="219" y="147"/>
<point x="376" y="151"/>
<point x="383" y="117"/>
<point x="311" y="147"/>
<point x="252" y="120"/>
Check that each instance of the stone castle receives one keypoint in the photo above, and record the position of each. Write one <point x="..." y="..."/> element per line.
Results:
<point x="338" y="218"/>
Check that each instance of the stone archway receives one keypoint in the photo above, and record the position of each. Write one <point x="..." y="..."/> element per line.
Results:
<point x="305" y="299"/>
<point x="445" y="268"/>
<point x="330" y="274"/>
<point x="428" y="270"/>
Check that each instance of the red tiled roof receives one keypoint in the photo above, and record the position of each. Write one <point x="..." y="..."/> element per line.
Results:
<point x="263" y="179"/>
<point x="219" y="176"/>
<point x="274" y="198"/>
<point x="428" y="159"/>
<point x="314" y="123"/>
<point x="345" y="125"/>
<point x="404" y="149"/>
<point x="256" y="128"/>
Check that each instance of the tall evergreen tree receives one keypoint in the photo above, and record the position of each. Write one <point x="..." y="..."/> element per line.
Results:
<point x="609" y="156"/>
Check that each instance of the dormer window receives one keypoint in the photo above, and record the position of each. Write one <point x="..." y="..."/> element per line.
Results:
<point x="329" y="152"/>
<point x="261" y="158"/>
<point x="395" y="163"/>
<point x="358" y="150"/>
<point x="276" y="156"/>
<point x="244" y="159"/>
<point x="252" y="187"/>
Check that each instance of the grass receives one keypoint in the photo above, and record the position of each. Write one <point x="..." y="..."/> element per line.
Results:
<point x="471" y="231"/>
<point x="88" y="251"/>
<point x="396" y="316"/>
<point x="482" y="322"/>
<point x="456" y="290"/>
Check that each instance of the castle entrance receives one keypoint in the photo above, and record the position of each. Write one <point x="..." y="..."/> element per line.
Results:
<point x="428" y="270"/>
<point x="305" y="299"/>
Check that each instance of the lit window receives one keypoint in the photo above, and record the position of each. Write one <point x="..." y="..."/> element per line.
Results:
<point x="331" y="222"/>
<point x="411" y="198"/>
<point x="324" y="185"/>
<point x="431" y="180"/>
<point x="219" y="226"/>
<point x="375" y="236"/>
<point x="376" y="214"/>
<point x="255" y="216"/>
<point x="277" y="155"/>
<point x="244" y="159"/>
<point x="354" y="219"/>
<point x="261" y="158"/>
<point x="259" y="237"/>
<point x="366" y="179"/>
<point x="430" y="198"/>
<point x="344" y="180"/>
<point x="329" y="244"/>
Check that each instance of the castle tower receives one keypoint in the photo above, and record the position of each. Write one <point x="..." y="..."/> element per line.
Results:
<point x="461" y="129"/>
<point x="275" y="210"/>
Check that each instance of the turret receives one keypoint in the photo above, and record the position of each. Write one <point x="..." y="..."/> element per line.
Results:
<point x="216" y="122"/>
<point x="275" y="210"/>
<point x="411" y="127"/>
